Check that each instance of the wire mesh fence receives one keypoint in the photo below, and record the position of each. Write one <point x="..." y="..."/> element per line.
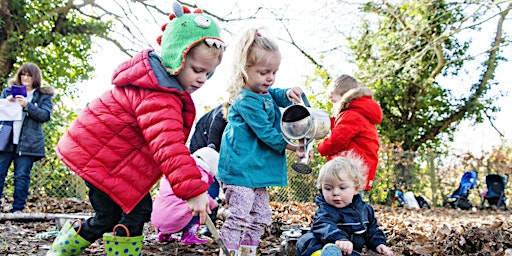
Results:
<point x="52" y="179"/>
<point x="57" y="181"/>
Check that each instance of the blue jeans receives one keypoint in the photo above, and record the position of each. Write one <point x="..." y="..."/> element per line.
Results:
<point x="22" y="167"/>
<point x="108" y="214"/>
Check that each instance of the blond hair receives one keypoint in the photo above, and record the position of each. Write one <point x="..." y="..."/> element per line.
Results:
<point x="347" y="166"/>
<point x="213" y="51"/>
<point x="250" y="48"/>
<point x="344" y="83"/>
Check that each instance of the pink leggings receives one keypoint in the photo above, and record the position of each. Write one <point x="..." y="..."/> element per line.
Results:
<point x="249" y="214"/>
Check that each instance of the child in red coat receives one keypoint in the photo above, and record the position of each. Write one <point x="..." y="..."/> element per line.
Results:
<point x="123" y="142"/>
<point x="353" y="128"/>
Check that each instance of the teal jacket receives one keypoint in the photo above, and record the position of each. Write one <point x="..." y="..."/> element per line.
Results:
<point x="252" y="153"/>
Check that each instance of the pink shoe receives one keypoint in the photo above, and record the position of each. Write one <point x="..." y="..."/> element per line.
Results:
<point x="189" y="236"/>
<point x="192" y="239"/>
<point x="161" y="238"/>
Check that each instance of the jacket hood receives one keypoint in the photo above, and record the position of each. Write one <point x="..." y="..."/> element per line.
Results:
<point x="208" y="156"/>
<point x="44" y="90"/>
<point x="360" y="100"/>
<point x="145" y="70"/>
<point x="47" y="90"/>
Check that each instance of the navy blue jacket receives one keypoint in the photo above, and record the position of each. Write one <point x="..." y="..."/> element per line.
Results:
<point x="355" y="222"/>
<point x="208" y="130"/>
<point x="37" y="112"/>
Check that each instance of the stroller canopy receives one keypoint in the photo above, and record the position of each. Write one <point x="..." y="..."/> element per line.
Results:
<point x="495" y="185"/>
<point x="495" y="194"/>
<point x="467" y="182"/>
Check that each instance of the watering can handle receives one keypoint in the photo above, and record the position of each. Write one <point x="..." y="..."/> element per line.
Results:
<point x="305" y="100"/>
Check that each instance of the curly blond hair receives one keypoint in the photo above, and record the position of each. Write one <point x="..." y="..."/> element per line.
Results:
<point x="348" y="165"/>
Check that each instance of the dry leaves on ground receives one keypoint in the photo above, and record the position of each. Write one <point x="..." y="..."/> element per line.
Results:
<point x="437" y="231"/>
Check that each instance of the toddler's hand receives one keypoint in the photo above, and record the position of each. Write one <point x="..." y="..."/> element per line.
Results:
<point x="311" y="154"/>
<point x="199" y="205"/>
<point x="294" y="94"/>
<point x="382" y="249"/>
<point x="345" y="246"/>
<point x="300" y="153"/>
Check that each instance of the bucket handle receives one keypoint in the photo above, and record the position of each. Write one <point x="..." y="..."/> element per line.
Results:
<point x="79" y="225"/>
<point x="121" y="226"/>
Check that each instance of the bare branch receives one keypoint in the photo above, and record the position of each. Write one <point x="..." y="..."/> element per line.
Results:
<point x="302" y="51"/>
<point x="482" y="85"/>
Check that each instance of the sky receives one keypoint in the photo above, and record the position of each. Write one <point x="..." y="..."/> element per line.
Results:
<point x="471" y="137"/>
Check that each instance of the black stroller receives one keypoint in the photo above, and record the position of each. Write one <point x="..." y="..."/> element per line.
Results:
<point x="495" y="194"/>
<point x="459" y="198"/>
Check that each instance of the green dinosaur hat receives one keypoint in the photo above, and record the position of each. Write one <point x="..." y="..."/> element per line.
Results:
<point x="184" y="31"/>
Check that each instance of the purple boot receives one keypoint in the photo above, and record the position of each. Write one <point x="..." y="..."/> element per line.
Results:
<point x="189" y="236"/>
<point x="161" y="237"/>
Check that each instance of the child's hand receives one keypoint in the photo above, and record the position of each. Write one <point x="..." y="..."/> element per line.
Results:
<point x="311" y="154"/>
<point x="199" y="205"/>
<point x="345" y="246"/>
<point x="294" y="94"/>
<point x="299" y="151"/>
<point x="382" y="249"/>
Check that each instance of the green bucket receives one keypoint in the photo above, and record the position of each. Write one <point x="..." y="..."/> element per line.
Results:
<point x="68" y="241"/>
<point x="121" y="245"/>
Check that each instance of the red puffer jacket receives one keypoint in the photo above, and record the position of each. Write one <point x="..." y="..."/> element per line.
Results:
<point x="354" y="129"/>
<point x="125" y="140"/>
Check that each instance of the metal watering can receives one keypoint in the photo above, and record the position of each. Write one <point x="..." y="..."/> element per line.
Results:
<point x="289" y="238"/>
<point x="300" y="125"/>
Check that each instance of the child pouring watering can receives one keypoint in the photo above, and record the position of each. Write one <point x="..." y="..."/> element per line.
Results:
<point x="252" y="153"/>
<point x="122" y="143"/>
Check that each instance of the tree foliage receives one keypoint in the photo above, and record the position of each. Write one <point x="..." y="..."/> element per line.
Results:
<point x="57" y="36"/>
<point x="405" y="50"/>
<point x="411" y="53"/>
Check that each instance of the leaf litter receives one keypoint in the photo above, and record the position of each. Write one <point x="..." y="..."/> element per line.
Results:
<point x="436" y="231"/>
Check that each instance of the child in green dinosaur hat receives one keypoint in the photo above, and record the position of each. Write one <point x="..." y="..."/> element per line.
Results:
<point x="123" y="142"/>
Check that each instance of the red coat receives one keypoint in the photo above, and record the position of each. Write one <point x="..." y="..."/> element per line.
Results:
<point x="354" y="128"/>
<point x="125" y="140"/>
